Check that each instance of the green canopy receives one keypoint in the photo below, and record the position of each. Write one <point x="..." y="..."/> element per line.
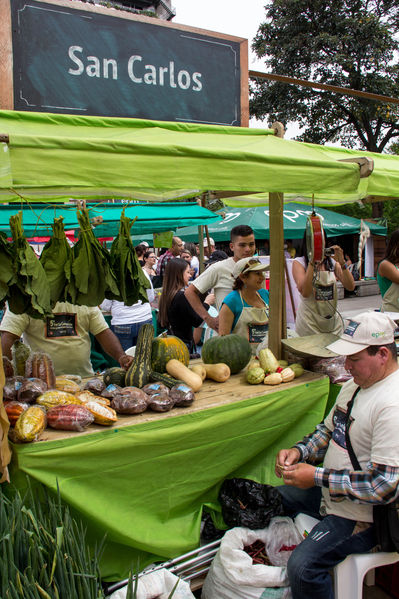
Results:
<point x="151" y="218"/>
<point x="294" y="221"/>
<point x="53" y="156"/>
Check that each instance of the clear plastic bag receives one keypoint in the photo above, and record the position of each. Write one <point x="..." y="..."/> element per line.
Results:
<point x="283" y="539"/>
<point x="334" y="368"/>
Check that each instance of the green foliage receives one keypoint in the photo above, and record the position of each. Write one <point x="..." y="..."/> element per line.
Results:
<point x="43" y="551"/>
<point x="347" y="43"/>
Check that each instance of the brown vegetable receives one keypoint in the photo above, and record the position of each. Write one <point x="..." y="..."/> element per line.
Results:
<point x="111" y="391"/>
<point x="154" y="388"/>
<point x="161" y="403"/>
<point x="11" y="386"/>
<point x="95" y="385"/>
<point x="30" y="390"/>
<point x="182" y="395"/>
<point x="124" y="404"/>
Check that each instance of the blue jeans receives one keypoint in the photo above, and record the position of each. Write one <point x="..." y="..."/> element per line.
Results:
<point x="329" y="543"/>
<point x="128" y="333"/>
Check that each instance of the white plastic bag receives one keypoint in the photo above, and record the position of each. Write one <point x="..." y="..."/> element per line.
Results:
<point x="233" y="575"/>
<point x="283" y="538"/>
<point x="158" y="584"/>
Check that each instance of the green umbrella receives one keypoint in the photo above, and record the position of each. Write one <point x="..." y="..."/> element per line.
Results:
<point x="294" y="221"/>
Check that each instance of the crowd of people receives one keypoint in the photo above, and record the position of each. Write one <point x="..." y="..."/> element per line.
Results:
<point x="229" y="296"/>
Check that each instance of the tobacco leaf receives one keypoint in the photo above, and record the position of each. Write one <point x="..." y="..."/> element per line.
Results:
<point x="126" y="266"/>
<point x="56" y="259"/>
<point x="7" y="273"/>
<point x="30" y="292"/>
<point x="92" y="279"/>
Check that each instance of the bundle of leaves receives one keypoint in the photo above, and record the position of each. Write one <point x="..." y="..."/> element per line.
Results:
<point x="91" y="279"/>
<point x="30" y="291"/>
<point x="7" y="274"/>
<point x="43" y="551"/>
<point x="126" y="266"/>
<point x="56" y="259"/>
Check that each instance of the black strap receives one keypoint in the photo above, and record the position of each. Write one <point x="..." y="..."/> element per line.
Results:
<point x="349" y="447"/>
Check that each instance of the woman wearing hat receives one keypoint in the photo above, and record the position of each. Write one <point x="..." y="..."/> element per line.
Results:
<point x="245" y="311"/>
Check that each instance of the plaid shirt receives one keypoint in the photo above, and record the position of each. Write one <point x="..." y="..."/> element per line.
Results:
<point x="377" y="484"/>
<point x="162" y="262"/>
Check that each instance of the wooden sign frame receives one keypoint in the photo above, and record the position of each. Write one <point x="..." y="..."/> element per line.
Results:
<point x="17" y="70"/>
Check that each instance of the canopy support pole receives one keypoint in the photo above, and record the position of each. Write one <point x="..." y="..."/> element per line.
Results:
<point x="277" y="318"/>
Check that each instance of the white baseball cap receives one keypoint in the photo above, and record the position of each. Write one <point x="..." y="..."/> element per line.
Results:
<point x="147" y="245"/>
<point x="363" y="330"/>
<point x="206" y="242"/>
<point x="248" y="265"/>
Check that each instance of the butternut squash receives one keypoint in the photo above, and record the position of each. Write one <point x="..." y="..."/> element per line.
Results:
<point x="199" y="369"/>
<point x="180" y="371"/>
<point x="217" y="372"/>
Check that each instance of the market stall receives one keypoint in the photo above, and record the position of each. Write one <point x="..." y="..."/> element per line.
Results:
<point x="145" y="481"/>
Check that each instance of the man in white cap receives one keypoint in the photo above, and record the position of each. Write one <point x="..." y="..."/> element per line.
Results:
<point x="339" y="493"/>
<point x="208" y="250"/>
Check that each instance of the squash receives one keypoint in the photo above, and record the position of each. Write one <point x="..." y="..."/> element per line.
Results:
<point x="233" y="350"/>
<point x="114" y="376"/>
<point x="168" y="348"/>
<point x="199" y="369"/>
<point x="138" y="374"/>
<point x="217" y="372"/>
<point x="255" y="376"/>
<point x="164" y="378"/>
<point x="180" y="371"/>
<point x="268" y="361"/>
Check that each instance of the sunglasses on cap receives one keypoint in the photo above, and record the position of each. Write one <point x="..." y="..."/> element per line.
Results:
<point x="250" y="263"/>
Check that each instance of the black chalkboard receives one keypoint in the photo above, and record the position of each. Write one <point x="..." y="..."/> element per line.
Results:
<point x="73" y="61"/>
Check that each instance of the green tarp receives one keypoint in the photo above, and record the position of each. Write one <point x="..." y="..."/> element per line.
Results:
<point x="294" y="222"/>
<point x="52" y="156"/>
<point x="37" y="218"/>
<point x="145" y="485"/>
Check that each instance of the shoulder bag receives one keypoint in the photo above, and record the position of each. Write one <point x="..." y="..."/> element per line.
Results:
<point x="386" y="516"/>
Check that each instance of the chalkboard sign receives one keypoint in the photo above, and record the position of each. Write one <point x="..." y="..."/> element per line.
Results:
<point x="75" y="61"/>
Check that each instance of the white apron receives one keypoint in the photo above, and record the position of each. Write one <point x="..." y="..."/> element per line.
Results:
<point x="253" y="323"/>
<point x="390" y="301"/>
<point x="318" y="312"/>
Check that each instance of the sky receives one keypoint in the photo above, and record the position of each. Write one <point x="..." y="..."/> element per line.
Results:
<point x="235" y="17"/>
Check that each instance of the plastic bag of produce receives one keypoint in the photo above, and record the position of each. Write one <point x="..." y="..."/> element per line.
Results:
<point x="248" y="503"/>
<point x="334" y="368"/>
<point x="158" y="584"/>
<point x="234" y="575"/>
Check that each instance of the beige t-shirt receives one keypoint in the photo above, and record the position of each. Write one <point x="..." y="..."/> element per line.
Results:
<point x="65" y="337"/>
<point x="219" y="278"/>
<point x="373" y="434"/>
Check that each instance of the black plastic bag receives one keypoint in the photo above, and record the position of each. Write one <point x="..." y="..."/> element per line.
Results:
<point x="248" y="503"/>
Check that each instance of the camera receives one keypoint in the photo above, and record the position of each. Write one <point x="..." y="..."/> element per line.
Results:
<point x="329" y="252"/>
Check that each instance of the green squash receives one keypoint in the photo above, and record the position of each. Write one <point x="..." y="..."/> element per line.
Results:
<point x="139" y="372"/>
<point x="233" y="350"/>
<point x="165" y="349"/>
<point x="114" y="376"/>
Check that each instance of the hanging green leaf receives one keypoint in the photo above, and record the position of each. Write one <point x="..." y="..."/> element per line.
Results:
<point x="92" y="278"/>
<point x="126" y="266"/>
<point x="56" y="260"/>
<point x="30" y="293"/>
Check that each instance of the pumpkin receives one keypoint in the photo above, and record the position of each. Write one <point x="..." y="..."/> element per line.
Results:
<point x="114" y="376"/>
<point x="233" y="350"/>
<point x="168" y="348"/>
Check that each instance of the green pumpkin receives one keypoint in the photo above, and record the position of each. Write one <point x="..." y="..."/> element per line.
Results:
<point x="114" y="376"/>
<point x="165" y="349"/>
<point x="255" y="376"/>
<point x="233" y="350"/>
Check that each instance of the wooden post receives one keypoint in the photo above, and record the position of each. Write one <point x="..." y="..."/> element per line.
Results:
<point x="277" y="287"/>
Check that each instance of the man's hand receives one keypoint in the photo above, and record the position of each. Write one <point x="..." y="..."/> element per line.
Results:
<point x="212" y="322"/>
<point x="299" y="475"/>
<point x="286" y="457"/>
<point x="125" y="361"/>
